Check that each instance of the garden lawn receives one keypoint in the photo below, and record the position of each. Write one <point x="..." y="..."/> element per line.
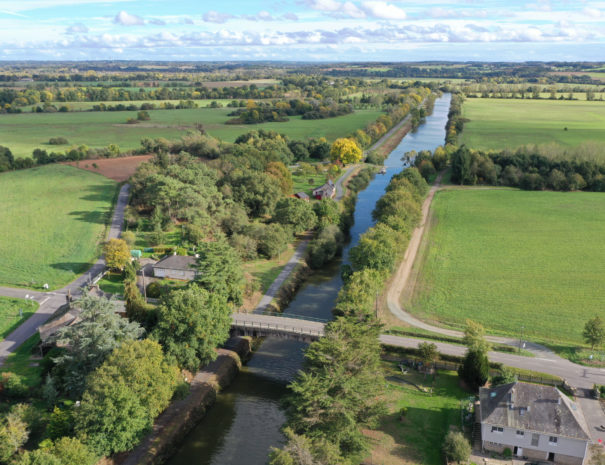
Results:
<point x="509" y="123"/>
<point x="511" y="258"/>
<point x="418" y="438"/>
<point x="9" y="314"/>
<point x="52" y="220"/>
<point x="21" y="363"/>
<point x="22" y="133"/>
<point x="113" y="283"/>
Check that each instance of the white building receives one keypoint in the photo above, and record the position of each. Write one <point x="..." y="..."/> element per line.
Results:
<point x="533" y="421"/>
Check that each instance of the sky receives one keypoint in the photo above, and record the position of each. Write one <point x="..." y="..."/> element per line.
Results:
<point x="303" y="30"/>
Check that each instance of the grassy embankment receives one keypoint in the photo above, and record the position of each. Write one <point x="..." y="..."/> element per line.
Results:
<point x="22" y="133"/>
<point x="51" y="222"/>
<point x="510" y="259"/>
<point x="9" y="314"/>
<point x="509" y="123"/>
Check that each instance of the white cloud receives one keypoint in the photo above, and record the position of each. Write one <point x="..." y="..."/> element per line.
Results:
<point x="77" y="28"/>
<point x="216" y="17"/>
<point x="324" y="5"/>
<point x="592" y="12"/>
<point x="383" y="10"/>
<point x="126" y="19"/>
<point x="290" y="16"/>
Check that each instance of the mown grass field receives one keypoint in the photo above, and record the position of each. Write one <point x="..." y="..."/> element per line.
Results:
<point x="22" y="133"/>
<point x="418" y="437"/>
<point x="509" y="123"/>
<point x="508" y="258"/>
<point x="52" y="219"/>
<point x="9" y="314"/>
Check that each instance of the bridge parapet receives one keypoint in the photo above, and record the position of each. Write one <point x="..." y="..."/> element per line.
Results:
<point x="245" y="324"/>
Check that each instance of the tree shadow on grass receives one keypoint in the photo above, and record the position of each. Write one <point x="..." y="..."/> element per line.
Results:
<point x="418" y="438"/>
<point x="74" y="267"/>
<point x="95" y="217"/>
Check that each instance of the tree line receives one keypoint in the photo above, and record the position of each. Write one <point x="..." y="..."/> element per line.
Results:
<point x="260" y="112"/>
<point x="527" y="169"/>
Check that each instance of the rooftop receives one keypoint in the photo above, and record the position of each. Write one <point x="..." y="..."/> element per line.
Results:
<point x="177" y="262"/>
<point x="532" y="407"/>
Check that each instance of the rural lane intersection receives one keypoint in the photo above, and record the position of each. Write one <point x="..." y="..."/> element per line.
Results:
<point x="49" y="302"/>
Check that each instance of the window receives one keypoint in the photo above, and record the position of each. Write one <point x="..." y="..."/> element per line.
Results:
<point x="497" y="429"/>
<point x="552" y="440"/>
<point x="520" y="433"/>
<point x="535" y="438"/>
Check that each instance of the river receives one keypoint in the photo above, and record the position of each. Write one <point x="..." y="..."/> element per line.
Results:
<point x="246" y="419"/>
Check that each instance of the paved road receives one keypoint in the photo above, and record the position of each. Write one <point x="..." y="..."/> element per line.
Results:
<point x="340" y="189"/>
<point x="51" y="301"/>
<point x="281" y="278"/>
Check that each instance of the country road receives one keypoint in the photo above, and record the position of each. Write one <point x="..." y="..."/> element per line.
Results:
<point x="51" y="301"/>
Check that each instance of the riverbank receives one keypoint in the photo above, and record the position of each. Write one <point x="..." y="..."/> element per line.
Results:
<point x="182" y="415"/>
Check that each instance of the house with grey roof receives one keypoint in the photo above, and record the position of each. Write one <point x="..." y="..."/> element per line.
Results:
<point x="536" y="422"/>
<point x="176" y="267"/>
<point x="327" y="191"/>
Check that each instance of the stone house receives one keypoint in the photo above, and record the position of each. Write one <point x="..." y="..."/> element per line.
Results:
<point x="327" y="191"/>
<point x="536" y="422"/>
<point x="176" y="267"/>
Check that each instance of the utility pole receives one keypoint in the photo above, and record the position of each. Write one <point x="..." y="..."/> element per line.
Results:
<point x="376" y="304"/>
<point x="521" y="338"/>
<point x="144" y="286"/>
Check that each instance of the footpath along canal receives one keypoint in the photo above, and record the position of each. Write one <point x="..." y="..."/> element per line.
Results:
<point x="246" y="420"/>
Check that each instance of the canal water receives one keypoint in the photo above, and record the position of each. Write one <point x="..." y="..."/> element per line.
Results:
<point x="246" y="420"/>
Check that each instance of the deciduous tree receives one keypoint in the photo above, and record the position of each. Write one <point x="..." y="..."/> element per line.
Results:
<point x="594" y="332"/>
<point x="192" y="323"/>
<point x="346" y="151"/>
<point x="124" y="395"/>
<point x="117" y="254"/>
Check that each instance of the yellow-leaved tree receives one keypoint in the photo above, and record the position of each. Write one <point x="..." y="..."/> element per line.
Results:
<point x="346" y="151"/>
<point x="117" y="254"/>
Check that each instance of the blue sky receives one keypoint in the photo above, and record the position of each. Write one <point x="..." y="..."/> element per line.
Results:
<point x="303" y="30"/>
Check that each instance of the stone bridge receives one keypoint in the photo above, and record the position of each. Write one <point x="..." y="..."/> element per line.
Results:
<point x="277" y="325"/>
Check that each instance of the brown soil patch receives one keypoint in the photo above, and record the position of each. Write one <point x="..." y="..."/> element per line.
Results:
<point x="118" y="169"/>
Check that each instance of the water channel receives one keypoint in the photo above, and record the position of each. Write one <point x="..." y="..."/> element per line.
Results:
<point x="246" y="419"/>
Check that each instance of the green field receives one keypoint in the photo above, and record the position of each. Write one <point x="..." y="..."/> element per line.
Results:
<point x="52" y="219"/>
<point x="509" y="123"/>
<point x="9" y="313"/>
<point x="24" y="132"/>
<point x="509" y="258"/>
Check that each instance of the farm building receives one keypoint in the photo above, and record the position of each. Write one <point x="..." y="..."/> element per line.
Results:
<point x="176" y="267"/>
<point x="302" y="196"/>
<point x="327" y="191"/>
<point x="536" y="423"/>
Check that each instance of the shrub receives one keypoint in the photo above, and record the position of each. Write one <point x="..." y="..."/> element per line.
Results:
<point x="456" y="448"/>
<point x="13" y="386"/>
<point x="507" y="453"/>
<point x="154" y="290"/>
